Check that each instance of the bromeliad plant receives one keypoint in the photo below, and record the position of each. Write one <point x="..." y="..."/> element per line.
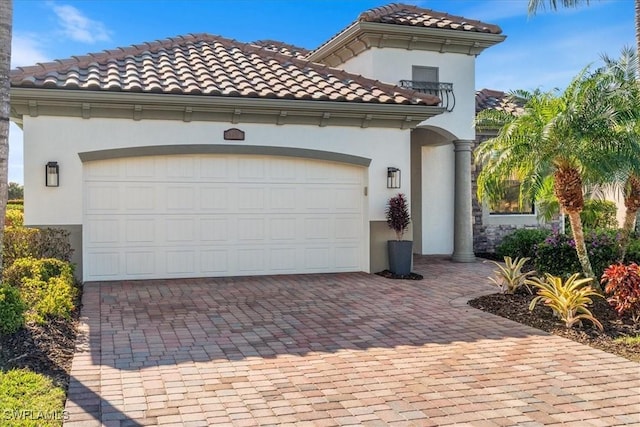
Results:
<point x="568" y="300"/>
<point x="510" y="276"/>
<point x="623" y="283"/>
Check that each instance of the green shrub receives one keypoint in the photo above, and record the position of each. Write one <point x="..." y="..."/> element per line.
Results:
<point x="14" y="218"/>
<point x="46" y="286"/>
<point x="522" y="242"/>
<point x="29" y="399"/>
<point x="633" y="252"/>
<point x="11" y="309"/>
<point x="557" y="254"/>
<point x="15" y="207"/>
<point x="24" y="242"/>
<point x="599" y="214"/>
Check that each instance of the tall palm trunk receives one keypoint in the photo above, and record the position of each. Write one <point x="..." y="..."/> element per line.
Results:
<point x="567" y="187"/>
<point x="581" y="247"/>
<point x="632" y="203"/>
<point x="637" y="3"/>
<point x="6" y="20"/>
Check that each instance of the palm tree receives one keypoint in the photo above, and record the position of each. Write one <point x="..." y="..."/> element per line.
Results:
<point x="621" y="75"/>
<point x="566" y="135"/>
<point x="6" y="20"/>
<point x="632" y="185"/>
<point x="535" y="5"/>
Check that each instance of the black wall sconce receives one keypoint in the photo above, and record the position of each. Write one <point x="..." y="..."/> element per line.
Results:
<point x="52" y="174"/>
<point x="393" y="178"/>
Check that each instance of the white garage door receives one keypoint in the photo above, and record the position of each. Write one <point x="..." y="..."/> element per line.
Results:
<point x="221" y="215"/>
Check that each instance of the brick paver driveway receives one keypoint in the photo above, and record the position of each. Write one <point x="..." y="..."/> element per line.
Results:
<point x="336" y="349"/>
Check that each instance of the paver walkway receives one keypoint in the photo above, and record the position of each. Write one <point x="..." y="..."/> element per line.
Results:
<point x="335" y="349"/>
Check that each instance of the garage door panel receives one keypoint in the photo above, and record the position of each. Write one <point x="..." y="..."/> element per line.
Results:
<point x="180" y="168"/>
<point x="214" y="261"/>
<point x="283" y="198"/>
<point x="283" y="228"/>
<point x="317" y="258"/>
<point x="180" y="261"/>
<point x="181" y="230"/>
<point x="139" y="198"/>
<point x="103" y="231"/>
<point x="250" y="229"/>
<point x="250" y="199"/>
<point x="283" y="259"/>
<point x="347" y="228"/>
<point x="180" y="198"/>
<point x="140" y="167"/>
<point x="140" y="262"/>
<point x="214" y="230"/>
<point x="203" y="215"/>
<point x="102" y="197"/>
<point x="214" y="168"/>
<point x="214" y="198"/>
<point x="103" y="265"/>
<point x="140" y="229"/>
<point x="347" y="257"/>
<point x="251" y="169"/>
<point x="250" y="260"/>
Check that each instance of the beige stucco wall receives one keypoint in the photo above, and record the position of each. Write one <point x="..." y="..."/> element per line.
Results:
<point x="392" y="65"/>
<point x="60" y="139"/>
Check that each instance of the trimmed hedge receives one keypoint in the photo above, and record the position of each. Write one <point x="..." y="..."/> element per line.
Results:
<point x="24" y="242"/>
<point x="13" y="218"/>
<point x="11" y="309"/>
<point x="46" y="286"/>
<point x="522" y="243"/>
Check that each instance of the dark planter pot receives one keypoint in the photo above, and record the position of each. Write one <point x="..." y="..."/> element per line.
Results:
<point x="400" y="256"/>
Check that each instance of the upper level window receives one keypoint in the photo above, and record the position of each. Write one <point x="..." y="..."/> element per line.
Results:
<point x="427" y="80"/>
<point x="424" y="74"/>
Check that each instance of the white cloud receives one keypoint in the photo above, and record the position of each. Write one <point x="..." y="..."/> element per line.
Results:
<point x="26" y="50"/>
<point x="79" y="27"/>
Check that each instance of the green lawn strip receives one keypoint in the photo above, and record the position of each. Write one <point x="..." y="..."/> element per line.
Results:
<point x="29" y="399"/>
<point x="629" y="340"/>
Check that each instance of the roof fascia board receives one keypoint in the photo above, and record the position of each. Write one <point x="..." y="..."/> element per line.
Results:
<point x="391" y="35"/>
<point x="137" y="106"/>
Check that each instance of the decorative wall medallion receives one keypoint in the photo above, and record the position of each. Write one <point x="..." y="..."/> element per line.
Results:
<point x="234" y="134"/>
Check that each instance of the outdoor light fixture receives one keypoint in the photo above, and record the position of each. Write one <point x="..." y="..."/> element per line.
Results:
<point x="52" y="174"/>
<point x="393" y="178"/>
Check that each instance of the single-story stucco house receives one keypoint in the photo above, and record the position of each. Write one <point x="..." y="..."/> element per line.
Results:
<point x="203" y="156"/>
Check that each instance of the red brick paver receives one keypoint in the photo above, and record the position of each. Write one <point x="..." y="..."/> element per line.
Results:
<point x="335" y="349"/>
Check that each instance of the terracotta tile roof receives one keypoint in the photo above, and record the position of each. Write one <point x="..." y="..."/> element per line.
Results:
<point x="404" y="14"/>
<point x="497" y="100"/>
<point x="203" y="64"/>
<point x="284" y="48"/>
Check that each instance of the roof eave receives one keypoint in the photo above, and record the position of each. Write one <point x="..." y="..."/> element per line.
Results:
<point x="142" y="106"/>
<point x="361" y="36"/>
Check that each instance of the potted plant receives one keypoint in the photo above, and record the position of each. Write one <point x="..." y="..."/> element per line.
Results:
<point x="400" y="251"/>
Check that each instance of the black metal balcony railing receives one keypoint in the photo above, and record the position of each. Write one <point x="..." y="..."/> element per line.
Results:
<point x="444" y="91"/>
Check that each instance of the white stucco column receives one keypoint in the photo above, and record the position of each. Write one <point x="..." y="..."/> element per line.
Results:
<point x="463" y="217"/>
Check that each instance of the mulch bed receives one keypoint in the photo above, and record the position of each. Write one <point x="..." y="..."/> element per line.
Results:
<point x="46" y="349"/>
<point x="516" y="307"/>
<point x="389" y="275"/>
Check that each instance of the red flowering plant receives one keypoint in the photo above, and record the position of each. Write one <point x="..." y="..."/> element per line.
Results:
<point x="623" y="283"/>
<point x="398" y="217"/>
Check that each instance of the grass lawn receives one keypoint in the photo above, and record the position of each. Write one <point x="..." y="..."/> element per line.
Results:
<point x="30" y="399"/>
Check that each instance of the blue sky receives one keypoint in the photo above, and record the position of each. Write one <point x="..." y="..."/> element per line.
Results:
<point x="544" y="51"/>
